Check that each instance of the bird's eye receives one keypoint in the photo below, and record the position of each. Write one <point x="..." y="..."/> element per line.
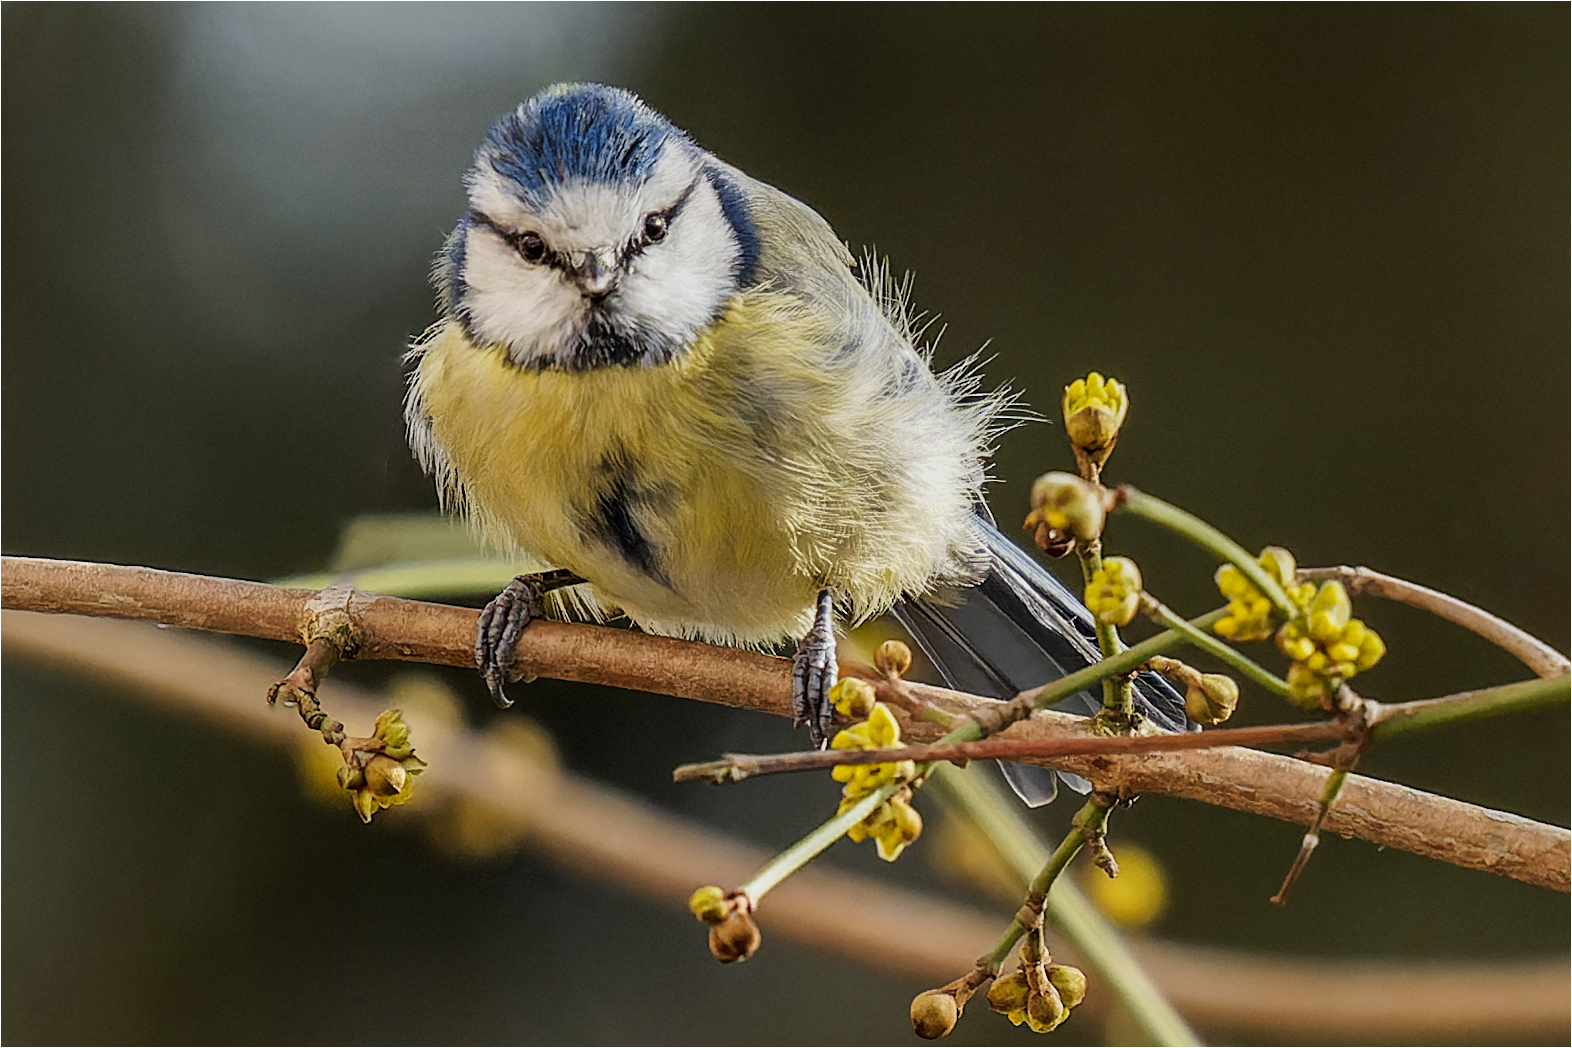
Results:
<point x="655" y="228"/>
<point x="530" y="246"/>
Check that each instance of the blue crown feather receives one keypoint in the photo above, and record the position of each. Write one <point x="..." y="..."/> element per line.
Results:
<point x="576" y="132"/>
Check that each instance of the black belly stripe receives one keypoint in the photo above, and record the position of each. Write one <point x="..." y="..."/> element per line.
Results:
<point x="617" y="526"/>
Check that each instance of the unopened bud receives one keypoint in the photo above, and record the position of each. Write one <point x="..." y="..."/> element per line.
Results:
<point x="1045" y="1010"/>
<point x="934" y="1014"/>
<point x="1070" y="982"/>
<point x="1094" y="409"/>
<point x="853" y="698"/>
<point x="1068" y="504"/>
<point x="385" y="776"/>
<point x="893" y="658"/>
<point x="735" y="938"/>
<point x="709" y="904"/>
<point x="1278" y="563"/>
<point x="1008" y="993"/>
<point x="1212" y="699"/>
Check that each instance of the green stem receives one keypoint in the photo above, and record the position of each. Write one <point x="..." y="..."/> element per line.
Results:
<point x="1127" y="661"/>
<point x="1210" y="539"/>
<point x="1093" y="939"/>
<point x="804" y="851"/>
<point x="1226" y="653"/>
<point x="1398" y="718"/>
<point x="1118" y="697"/>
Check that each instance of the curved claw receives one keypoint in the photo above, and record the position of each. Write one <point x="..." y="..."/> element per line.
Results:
<point x="813" y="674"/>
<point x="498" y="631"/>
<point x="502" y="624"/>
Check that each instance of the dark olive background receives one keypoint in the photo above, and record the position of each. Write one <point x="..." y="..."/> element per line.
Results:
<point x="1325" y="246"/>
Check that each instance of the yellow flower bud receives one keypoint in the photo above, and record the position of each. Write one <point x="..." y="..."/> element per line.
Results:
<point x="1212" y="699"/>
<point x="1070" y="982"/>
<point x="1306" y="688"/>
<point x="934" y="1014"/>
<point x="893" y="658"/>
<point x="1094" y="408"/>
<point x="1045" y="1010"/>
<point x="1068" y="504"/>
<point x="1278" y="563"/>
<point x="385" y="776"/>
<point x="709" y="904"/>
<point x="884" y="729"/>
<point x="853" y="697"/>
<point x="1329" y="612"/>
<point x="1114" y="593"/>
<point x="1008" y="994"/>
<point x="1371" y="648"/>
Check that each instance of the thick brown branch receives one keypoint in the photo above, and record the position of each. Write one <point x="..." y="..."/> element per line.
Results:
<point x="1526" y="648"/>
<point x="389" y="628"/>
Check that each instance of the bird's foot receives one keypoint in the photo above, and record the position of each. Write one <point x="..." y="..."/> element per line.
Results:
<point x="813" y="673"/>
<point x="502" y="624"/>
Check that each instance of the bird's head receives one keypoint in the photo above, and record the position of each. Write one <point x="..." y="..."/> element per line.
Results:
<point x="597" y="235"/>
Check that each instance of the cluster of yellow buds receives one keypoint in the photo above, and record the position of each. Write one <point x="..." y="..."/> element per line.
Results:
<point x="1327" y="645"/>
<point x="1094" y="409"/>
<point x="1250" y="613"/>
<point x="895" y="823"/>
<point x="380" y="771"/>
<point x="1114" y="593"/>
<point x="1041" y="996"/>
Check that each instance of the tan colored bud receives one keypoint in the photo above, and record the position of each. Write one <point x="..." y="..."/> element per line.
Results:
<point x="385" y="776"/>
<point x="934" y="1014"/>
<point x="1212" y="699"/>
<point x="1094" y="408"/>
<point x="1070" y="982"/>
<point x="735" y="938"/>
<point x="1045" y="1010"/>
<point x="1008" y="993"/>
<point x="1069" y="505"/>
<point x="893" y="658"/>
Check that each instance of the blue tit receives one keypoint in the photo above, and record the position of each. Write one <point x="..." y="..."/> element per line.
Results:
<point x="675" y="386"/>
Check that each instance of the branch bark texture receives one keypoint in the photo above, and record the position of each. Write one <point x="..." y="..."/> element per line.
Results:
<point x="391" y="628"/>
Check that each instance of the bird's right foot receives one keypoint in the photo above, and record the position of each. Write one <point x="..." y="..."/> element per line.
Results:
<point x="502" y="624"/>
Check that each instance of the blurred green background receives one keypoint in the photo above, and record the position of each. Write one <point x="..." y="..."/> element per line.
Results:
<point x="1325" y="246"/>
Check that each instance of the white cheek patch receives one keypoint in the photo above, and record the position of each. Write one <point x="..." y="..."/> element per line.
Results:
<point x="528" y="308"/>
<point x="678" y="285"/>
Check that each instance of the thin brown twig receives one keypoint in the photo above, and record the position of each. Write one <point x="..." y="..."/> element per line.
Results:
<point x="736" y="766"/>
<point x="390" y="628"/>
<point x="1526" y="648"/>
<point x="600" y="832"/>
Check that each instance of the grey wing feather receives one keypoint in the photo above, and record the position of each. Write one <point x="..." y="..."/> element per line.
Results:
<point x="1018" y="628"/>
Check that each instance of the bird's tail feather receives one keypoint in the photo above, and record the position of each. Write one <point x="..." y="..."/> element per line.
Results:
<point x="1019" y="628"/>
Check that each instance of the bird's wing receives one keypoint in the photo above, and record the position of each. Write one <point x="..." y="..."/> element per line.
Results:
<point x="1019" y="628"/>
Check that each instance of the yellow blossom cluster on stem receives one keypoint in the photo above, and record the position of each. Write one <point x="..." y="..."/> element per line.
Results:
<point x="895" y="823"/>
<point x="380" y="771"/>
<point x="1327" y="646"/>
<point x="1114" y="593"/>
<point x="1250" y="613"/>
<point x="1039" y="995"/>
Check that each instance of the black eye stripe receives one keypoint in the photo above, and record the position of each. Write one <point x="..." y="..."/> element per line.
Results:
<point x="517" y="240"/>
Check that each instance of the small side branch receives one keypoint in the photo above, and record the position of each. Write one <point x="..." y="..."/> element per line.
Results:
<point x="1527" y="649"/>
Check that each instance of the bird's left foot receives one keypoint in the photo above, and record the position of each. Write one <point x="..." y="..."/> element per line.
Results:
<point x="502" y="624"/>
<point x="813" y="673"/>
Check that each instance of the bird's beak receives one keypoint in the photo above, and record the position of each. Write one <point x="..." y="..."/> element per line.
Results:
<point x="596" y="273"/>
